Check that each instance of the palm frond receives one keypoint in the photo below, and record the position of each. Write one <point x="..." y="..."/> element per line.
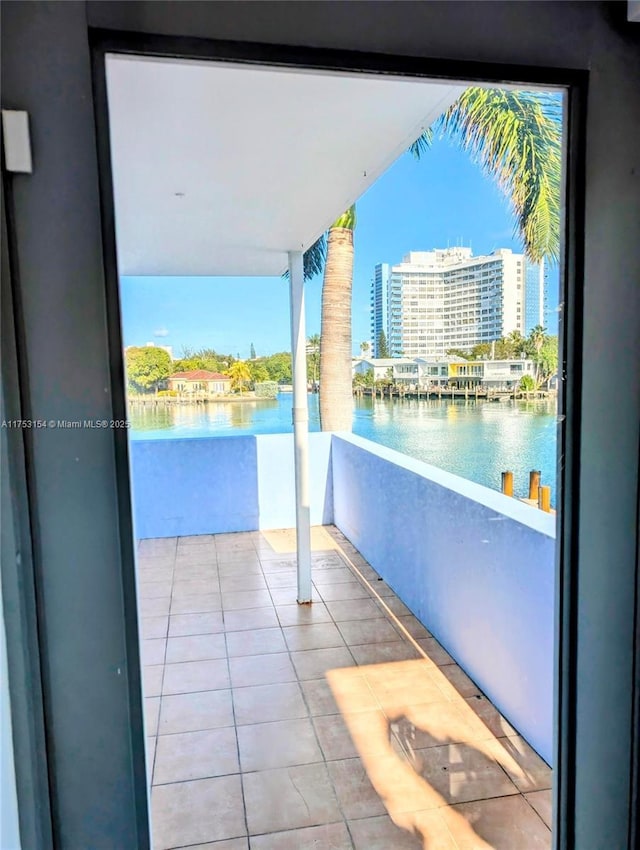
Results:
<point x="313" y="259"/>
<point x="515" y="136"/>
<point x="422" y="143"/>
<point x="347" y="219"/>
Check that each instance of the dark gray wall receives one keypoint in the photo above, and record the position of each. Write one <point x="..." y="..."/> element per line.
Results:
<point x="21" y="689"/>
<point x="46" y="70"/>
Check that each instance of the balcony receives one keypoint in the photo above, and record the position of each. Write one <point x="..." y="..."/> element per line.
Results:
<point x="402" y="709"/>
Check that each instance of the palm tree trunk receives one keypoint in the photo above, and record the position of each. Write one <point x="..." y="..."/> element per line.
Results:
<point x="336" y="399"/>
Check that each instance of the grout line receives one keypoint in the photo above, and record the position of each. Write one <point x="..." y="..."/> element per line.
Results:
<point x="200" y="778"/>
<point x="325" y="761"/>
<point x="191" y="731"/>
<point x="394" y="620"/>
<point x="309" y="718"/>
<point x="534" y="791"/>
<point x="235" y="730"/>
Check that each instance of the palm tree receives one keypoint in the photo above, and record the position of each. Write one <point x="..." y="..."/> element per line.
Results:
<point x="239" y="374"/>
<point x="516" y="342"/>
<point x="536" y="340"/>
<point x="336" y="397"/>
<point x="537" y="337"/>
<point x="313" y="357"/>
<point x="515" y="136"/>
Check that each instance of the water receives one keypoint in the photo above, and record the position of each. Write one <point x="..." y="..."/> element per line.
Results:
<point x="477" y="440"/>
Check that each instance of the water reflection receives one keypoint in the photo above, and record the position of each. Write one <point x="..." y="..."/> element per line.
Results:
<point x="475" y="439"/>
<point x="147" y="418"/>
<point x="200" y="420"/>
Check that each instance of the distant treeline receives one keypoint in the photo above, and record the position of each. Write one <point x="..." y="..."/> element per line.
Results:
<point x="274" y="367"/>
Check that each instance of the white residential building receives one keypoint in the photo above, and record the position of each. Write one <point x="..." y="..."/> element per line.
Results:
<point x="435" y="371"/>
<point x="491" y="374"/>
<point x="447" y="298"/>
<point x="427" y="372"/>
<point x="395" y="368"/>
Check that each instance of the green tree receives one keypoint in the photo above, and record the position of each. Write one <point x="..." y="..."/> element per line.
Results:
<point x="517" y="343"/>
<point x="527" y="383"/>
<point x="383" y="348"/>
<point x="146" y="367"/>
<point x="536" y="342"/>
<point x="482" y="351"/>
<point x="458" y="352"/>
<point x="239" y="374"/>
<point x="187" y="364"/>
<point x="547" y="360"/>
<point x="204" y="358"/>
<point x="279" y="367"/>
<point x="363" y="379"/>
<point x="364" y="349"/>
<point x="266" y="389"/>
<point x="515" y="137"/>
<point x="313" y="358"/>
<point x="258" y="372"/>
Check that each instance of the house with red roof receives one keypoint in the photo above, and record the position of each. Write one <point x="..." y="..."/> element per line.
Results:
<point x="199" y="381"/>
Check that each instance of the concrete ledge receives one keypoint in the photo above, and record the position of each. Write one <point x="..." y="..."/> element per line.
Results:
<point x="220" y="484"/>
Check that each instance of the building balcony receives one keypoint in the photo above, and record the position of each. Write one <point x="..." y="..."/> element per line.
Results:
<point x="409" y="706"/>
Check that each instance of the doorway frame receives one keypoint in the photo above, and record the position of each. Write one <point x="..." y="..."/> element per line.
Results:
<point x="575" y="84"/>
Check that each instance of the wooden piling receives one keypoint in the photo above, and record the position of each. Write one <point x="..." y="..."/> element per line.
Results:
<point x="544" y="499"/>
<point x="507" y="483"/>
<point x="534" y="484"/>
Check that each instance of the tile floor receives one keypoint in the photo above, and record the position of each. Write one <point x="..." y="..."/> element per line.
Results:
<point x="343" y="724"/>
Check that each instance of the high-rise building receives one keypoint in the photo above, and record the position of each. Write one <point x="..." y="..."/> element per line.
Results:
<point x="447" y="298"/>
<point x="379" y="306"/>
<point x="535" y="297"/>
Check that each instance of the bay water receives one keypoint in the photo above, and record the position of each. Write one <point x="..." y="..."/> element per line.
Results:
<point x="474" y="439"/>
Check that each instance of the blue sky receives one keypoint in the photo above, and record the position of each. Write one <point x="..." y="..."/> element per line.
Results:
<point x="415" y="206"/>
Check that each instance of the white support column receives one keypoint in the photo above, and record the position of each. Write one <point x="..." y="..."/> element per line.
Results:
<point x="300" y="425"/>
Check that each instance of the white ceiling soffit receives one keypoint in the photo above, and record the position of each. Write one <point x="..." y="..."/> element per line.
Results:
<point x="221" y="169"/>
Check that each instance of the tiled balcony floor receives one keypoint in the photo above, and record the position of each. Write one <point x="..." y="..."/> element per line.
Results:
<point x="344" y="724"/>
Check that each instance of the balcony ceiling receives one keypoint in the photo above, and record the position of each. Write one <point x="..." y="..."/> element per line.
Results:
<point x="221" y="169"/>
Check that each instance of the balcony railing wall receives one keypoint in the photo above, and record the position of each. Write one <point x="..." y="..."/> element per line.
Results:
<point x="476" y="567"/>
<point x="211" y="486"/>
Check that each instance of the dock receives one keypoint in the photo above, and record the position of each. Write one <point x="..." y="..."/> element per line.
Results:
<point x="453" y="393"/>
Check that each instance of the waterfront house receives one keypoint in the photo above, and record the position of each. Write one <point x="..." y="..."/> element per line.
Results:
<point x="396" y="369"/>
<point x="436" y="371"/>
<point x="506" y="374"/>
<point x="200" y="382"/>
<point x="445" y="371"/>
<point x="490" y="374"/>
